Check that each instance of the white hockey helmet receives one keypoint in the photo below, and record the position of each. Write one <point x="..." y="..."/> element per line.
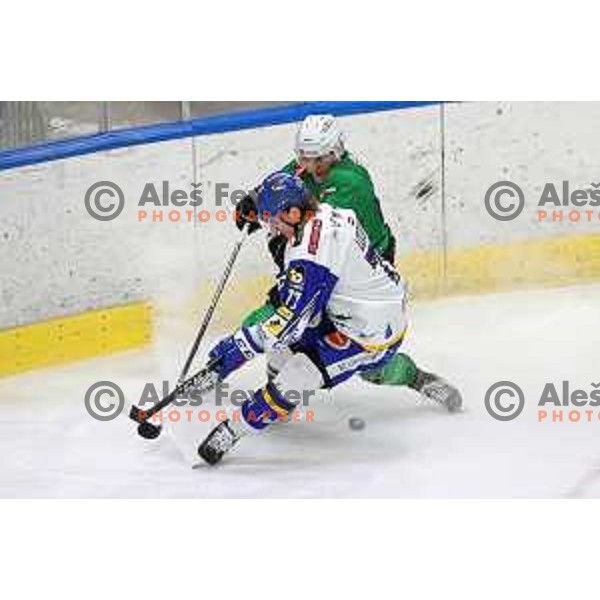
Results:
<point x="319" y="135"/>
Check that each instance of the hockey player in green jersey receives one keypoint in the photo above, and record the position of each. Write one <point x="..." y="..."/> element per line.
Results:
<point x="333" y="177"/>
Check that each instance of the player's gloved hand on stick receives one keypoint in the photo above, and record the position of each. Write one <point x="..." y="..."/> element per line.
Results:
<point x="277" y="245"/>
<point x="247" y="214"/>
<point x="273" y="296"/>
<point x="232" y="352"/>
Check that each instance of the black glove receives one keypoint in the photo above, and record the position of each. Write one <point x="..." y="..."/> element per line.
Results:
<point x="390" y="251"/>
<point x="247" y="214"/>
<point x="273" y="296"/>
<point x="277" y="246"/>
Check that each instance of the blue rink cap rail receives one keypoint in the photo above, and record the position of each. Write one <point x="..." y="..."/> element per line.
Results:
<point x="122" y="138"/>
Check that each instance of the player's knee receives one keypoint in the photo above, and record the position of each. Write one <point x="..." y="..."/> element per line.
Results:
<point x="276" y="361"/>
<point x="299" y="373"/>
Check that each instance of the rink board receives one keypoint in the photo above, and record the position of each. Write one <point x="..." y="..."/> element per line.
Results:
<point x="529" y="264"/>
<point x="58" y="341"/>
<point x="61" y="269"/>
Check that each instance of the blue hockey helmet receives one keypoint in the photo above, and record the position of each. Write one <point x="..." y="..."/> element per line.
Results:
<point x="281" y="191"/>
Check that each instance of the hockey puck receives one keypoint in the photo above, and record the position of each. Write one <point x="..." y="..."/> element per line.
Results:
<point x="356" y="423"/>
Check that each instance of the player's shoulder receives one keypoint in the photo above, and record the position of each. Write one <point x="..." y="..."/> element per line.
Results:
<point x="291" y="167"/>
<point x="349" y="173"/>
<point x="329" y="219"/>
<point x="325" y="232"/>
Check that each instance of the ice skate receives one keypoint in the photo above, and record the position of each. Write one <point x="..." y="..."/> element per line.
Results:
<point x="439" y="390"/>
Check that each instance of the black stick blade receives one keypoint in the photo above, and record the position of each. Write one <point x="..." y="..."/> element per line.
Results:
<point x="149" y="431"/>
<point x="137" y="414"/>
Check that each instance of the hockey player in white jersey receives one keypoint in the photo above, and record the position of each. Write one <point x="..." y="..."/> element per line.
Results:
<point x="341" y="312"/>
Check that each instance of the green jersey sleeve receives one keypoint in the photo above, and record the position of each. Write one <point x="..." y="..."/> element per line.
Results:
<point x="353" y="189"/>
<point x="349" y="185"/>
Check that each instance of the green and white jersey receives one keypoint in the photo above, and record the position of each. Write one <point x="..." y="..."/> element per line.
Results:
<point x="349" y="185"/>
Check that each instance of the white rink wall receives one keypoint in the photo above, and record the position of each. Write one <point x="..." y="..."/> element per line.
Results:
<point x="529" y="143"/>
<point x="56" y="260"/>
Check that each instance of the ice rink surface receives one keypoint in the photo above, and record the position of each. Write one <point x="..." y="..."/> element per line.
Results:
<point x="51" y="447"/>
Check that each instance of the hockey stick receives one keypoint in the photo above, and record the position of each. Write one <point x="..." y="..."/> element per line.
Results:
<point x="149" y="430"/>
<point x="213" y="305"/>
<point x="204" y="380"/>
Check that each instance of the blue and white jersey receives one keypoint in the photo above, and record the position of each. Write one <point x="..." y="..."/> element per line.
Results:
<point x="332" y="270"/>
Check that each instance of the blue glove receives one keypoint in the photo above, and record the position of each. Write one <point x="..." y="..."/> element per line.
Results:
<point x="232" y="352"/>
